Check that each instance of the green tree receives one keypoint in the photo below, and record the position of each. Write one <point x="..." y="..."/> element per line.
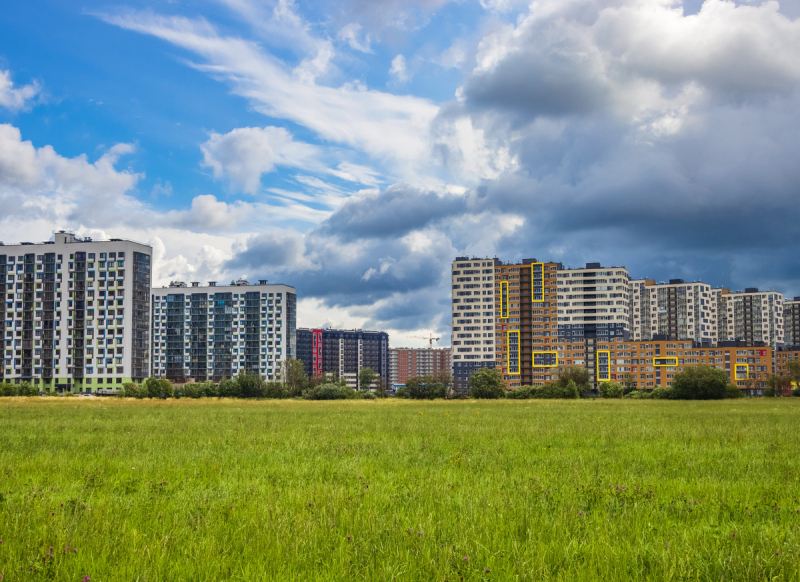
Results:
<point x="700" y="383"/>
<point x="610" y="390"/>
<point x="423" y="388"/>
<point x="365" y="379"/>
<point x="294" y="377"/>
<point x="794" y="373"/>
<point x="577" y="374"/>
<point x="230" y="389"/>
<point x="250" y="385"/>
<point x="486" y="383"/>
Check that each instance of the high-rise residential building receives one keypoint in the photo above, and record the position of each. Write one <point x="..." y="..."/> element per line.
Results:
<point x="791" y="322"/>
<point x="343" y="353"/>
<point x="526" y="321"/>
<point x="473" y="309"/>
<point x="675" y="311"/>
<point x="405" y="363"/>
<point x="215" y="332"/>
<point x="593" y="302"/>
<point x="753" y="316"/>
<point x="77" y="313"/>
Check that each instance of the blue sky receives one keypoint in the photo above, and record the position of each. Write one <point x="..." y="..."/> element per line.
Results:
<point x="354" y="148"/>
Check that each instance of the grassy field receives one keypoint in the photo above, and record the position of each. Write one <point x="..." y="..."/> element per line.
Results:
<point x="532" y="490"/>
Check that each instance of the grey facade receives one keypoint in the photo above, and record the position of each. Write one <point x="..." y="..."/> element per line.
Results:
<point x="216" y="332"/>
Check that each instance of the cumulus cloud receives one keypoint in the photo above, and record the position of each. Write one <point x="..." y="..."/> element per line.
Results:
<point x="17" y="98"/>
<point x="244" y="154"/>
<point x="351" y="33"/>
<point x="398" y="69"/>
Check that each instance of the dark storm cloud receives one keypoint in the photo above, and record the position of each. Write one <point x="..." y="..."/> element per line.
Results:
<point x="392" y="213"/>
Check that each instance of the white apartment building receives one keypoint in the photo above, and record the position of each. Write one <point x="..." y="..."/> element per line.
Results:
<point x="593" y="302"/>
<point x="753" y="316"/>
<point x="472" y="299"/>
<point x="791" y="322"/>
<point x="675" y="311"/>
<point x="216" y="332"/>
<point x="77" y="314"/>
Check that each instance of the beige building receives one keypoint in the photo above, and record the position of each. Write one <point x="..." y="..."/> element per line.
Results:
<point x="675" y="311"/>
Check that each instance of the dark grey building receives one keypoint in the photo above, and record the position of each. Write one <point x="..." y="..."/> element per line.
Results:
<point x="343" y="353"/>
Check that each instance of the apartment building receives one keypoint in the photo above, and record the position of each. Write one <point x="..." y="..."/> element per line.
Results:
<point x="405" y="363"/>
<point x="648" y="364"/>
<point x="593" y="302"/>
<point x="77" y="313"/>
<point x="215" y="332"/>
<point x="473" y="303"/>
<point x="526" y="321"/>
<point x="791" y="322"/>
<point x="676" y="311"/>
<point x="343" y="353"/>
<point x="753" y="316"/>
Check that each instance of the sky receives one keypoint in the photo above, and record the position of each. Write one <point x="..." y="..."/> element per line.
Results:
<point x="353" y="149"/>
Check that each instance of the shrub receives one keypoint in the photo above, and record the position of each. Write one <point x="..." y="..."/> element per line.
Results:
<point x="610" y="390"/>
<point x="700" y="383"/>
<point x="230" y="389"/>
<point x="368" y="396"/>
<point x="130" y="390"/>
<point x="521" y="393"/>
<point x="556" y="390"/>
<point x="250" y="385"/>
<point x="638" y="395"/>
<point x="329" y="392"/>
<point x="769" y="392"/>
<point x="275" y="390"/>
<point x="423" y="388"/>
<point x="486" y="383"/>
<point x="8" y="389"/>
<point x="191" y="390"/>
<point x="733" y="392"/>
<point x="155" y="388"/>
<point x="28" y="389"/>
<point x="575" y="374"/>
<point x="208" y="390"/>
<point x="660" y="393"/>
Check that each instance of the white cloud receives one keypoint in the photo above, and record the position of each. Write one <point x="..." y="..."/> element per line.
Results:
<point x="356" y="173"/>
<point x="19" y="98"/>
<point x="388" y="127"/>
<point x="398" y="69"/>
<point x="244" y="154"/>
<point x="350" y="34"/>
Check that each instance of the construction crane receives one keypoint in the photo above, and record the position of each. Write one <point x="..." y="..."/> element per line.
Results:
<point x="430" y="339"/>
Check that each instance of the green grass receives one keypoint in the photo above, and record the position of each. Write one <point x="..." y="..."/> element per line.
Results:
<point x="538" y="490"/>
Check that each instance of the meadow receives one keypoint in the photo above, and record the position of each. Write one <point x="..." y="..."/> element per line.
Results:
<point x="224" y="490"/>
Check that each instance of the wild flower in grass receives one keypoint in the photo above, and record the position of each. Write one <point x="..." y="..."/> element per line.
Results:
<point x="486" y="570"/>
<point x="85" y="579"/>
<point x="348" y="538"/>
<point x="466" y="559"/>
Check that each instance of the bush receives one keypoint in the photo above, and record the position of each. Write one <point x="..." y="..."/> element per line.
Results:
<point x="229" y="389"/>
<point x="733" y="392"/>
<point x="660" y="393"/>
<point x="557" y="390"/>
<point x="208" y="390"/>
<point x="275" y="390"/>
<point x="28" y="389"/>
<point x="521" y="393"/>
<point x="486" y="383"/>
<point x="329" y="392"/>
<point x="700" y="383"/>
<point x="250" y="385"/>
<point x="610" y="390"/>
<point x="368" y="396"/>
<point x="769" y="392"/>
<point x="423" y="388"/>
<point x="131" y="390"/>
<point x="8" y="389"/>
<point x="155" y="388"/>
<point x="638" y="395"/>
<point x="578" y="375"/>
